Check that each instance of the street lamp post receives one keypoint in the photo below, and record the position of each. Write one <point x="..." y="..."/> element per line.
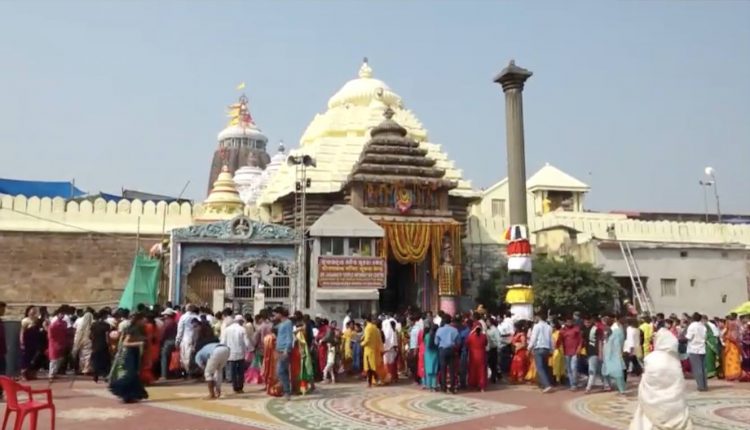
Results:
<point x="705" y="185"/>
<point x="301" y="183"/>
<point x="711" y="173"/>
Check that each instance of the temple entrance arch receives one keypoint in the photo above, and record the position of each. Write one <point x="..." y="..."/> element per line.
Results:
<point x="204" y="277"/>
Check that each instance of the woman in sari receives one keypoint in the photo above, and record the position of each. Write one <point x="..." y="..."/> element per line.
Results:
<point x="322" y="346"/>
<point x="661" y="392"/>
<point x="82" y="343"/>
<point x="306" y="372"/>
<point x="731" y="356"/>
<point x="31" y="343"/>
<point x="557" y="359"/>
<point x="745" y="365"/>
<point x="430" y="359"/>
<point x="356" y="350"/>
<point x="125" y="382"/>
<point x="151" y="342"/>
<point x="273" y="386"/>
<point x="613" y="366"/>
<point x="372" y="356"/>
<point x="476" y="346"/>
<point x="346" y="347"/>
<point x="712" y="351"/>
<point x="520" y="363"/>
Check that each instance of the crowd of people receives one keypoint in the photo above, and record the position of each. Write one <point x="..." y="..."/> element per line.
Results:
<point x="290" y="354"/>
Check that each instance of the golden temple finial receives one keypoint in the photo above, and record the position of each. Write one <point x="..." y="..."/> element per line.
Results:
<point x="365" y="71"/>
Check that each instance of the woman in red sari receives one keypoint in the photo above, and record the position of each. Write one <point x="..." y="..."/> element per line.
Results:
<point x="476" y="344"/>
<point x="273" y="387"/>
<point x="295" y="367"/>
<point x="520" y="363"/>
<point x="420" y="357"/>
<point x="322" y="346"/>
<point x="150" y="351"/>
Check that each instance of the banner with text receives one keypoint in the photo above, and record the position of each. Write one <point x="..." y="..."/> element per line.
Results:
<point x="355" y="272"/>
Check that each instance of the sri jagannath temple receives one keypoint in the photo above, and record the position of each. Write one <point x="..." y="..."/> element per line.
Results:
<point x="367" y="214"/>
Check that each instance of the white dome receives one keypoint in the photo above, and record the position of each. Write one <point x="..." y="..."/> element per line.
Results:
<point x="248" y="181"/>
<point x="239" y="131"/>
<point x="363" y="90"/>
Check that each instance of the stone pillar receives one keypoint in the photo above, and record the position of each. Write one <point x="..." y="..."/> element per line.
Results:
<point x="520" y="296"/>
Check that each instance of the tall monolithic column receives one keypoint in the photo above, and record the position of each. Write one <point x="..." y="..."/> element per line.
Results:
<point x="520" y="295"/>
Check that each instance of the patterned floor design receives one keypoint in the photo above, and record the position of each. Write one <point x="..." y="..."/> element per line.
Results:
<point x="343" y="407"/>
<point x="720" y="409"/>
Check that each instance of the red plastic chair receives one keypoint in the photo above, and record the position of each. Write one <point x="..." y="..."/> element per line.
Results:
<point x="30" y="407"/>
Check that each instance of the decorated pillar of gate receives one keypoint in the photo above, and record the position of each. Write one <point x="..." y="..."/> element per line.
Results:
<point x="520" y="294"/>
<point x="447" y="287"/>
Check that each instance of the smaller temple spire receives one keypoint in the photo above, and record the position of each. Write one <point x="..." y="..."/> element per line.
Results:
<point x="223" y="202"/>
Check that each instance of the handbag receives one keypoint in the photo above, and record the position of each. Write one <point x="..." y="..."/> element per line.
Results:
<point x="174" y="361"/>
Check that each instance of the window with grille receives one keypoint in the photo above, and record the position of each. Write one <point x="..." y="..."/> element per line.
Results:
<point x="274" y="280"/>
<point x="668" y="287"/>
<point x="498" y="208"/>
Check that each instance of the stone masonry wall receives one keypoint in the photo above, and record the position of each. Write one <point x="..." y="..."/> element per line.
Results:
<point x="75" y="268"/>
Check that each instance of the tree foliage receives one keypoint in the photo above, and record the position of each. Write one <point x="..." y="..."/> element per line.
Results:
<point x="564" y="286"/>
<point x="561" y="286"/>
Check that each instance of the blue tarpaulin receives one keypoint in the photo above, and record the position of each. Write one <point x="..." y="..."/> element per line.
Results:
<point x="14" y="187"/>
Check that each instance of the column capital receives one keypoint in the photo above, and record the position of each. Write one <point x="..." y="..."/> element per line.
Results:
<point x="512" y="77"/>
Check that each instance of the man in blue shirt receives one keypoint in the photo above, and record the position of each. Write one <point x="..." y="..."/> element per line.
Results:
<point x="213" y="358"/>
<point x="447" y="340"/>
<point x="540" y="345"/>
<point x="284" y="344"/>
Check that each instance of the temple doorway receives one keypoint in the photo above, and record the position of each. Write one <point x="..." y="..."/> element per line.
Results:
<point x="400" y="280"/>
<point x="205" y="277"/>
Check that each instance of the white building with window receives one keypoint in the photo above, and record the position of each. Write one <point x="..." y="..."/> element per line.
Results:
<point x="344" y="235"/>
<point x="685" y="266"/>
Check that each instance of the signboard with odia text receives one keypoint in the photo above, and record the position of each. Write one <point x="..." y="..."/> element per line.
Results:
<point x="351" y="272"/>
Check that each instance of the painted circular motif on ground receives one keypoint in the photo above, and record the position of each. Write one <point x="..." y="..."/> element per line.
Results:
<point x="726" y="409"/>
<point x="381" y="408"/>
<point x="95" y="414"/>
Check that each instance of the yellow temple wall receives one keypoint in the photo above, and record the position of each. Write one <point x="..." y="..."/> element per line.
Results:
<point x="34" y="214"/>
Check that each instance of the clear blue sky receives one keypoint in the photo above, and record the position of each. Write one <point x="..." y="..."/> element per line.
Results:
<point x="633" y="97"/>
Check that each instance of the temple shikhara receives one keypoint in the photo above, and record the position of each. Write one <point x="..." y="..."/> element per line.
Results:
<point x="365" y="213"/>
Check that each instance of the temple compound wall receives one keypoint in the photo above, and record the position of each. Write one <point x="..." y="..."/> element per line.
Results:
<point x="80" y="253"/>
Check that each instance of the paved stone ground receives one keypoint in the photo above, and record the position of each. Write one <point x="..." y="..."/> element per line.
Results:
<point x="178" y="406"/>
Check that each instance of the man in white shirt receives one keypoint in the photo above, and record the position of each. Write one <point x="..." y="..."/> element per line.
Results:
<point x="493" y="345"/>
<point x="696" y="349"/>
<point x="506" y="329"/>
<point x="540" y="345"/>
<point x="347" y="318"/>
<point x="185" y="339"/>
<point x="235" y="337"/>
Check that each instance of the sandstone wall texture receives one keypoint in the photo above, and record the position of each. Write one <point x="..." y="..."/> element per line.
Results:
<point x="79" y="269"/>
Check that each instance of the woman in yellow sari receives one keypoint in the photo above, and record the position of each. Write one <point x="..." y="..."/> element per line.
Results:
<point x="557" y="359"/>
<point x="346" y="347"/>
<point x="372" y="345"/>
<point x="731" y="358"/>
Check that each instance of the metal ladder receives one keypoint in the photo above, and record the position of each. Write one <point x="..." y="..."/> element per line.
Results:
<point x="642" y="297"/>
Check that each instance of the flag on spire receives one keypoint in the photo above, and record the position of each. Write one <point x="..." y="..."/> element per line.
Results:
<point x="241" y="86"/>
